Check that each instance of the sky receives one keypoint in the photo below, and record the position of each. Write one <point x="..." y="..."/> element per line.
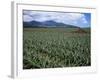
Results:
<point x="71" y="18"/>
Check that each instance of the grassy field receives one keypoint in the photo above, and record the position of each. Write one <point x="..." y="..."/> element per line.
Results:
<point x="55" y="47"/>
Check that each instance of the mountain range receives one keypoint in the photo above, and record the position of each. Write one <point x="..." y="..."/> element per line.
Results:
<point x="46" y="24"/>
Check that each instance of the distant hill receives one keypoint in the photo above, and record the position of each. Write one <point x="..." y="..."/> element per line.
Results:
<point x="46" y="24"/>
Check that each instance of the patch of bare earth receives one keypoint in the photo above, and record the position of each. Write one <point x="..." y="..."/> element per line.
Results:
<point x="80" y="30"/>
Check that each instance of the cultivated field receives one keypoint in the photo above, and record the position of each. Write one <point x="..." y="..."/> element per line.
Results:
<point x="56" y="47"/>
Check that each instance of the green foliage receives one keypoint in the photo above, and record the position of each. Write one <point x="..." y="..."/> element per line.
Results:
<point x="55" y="47"/>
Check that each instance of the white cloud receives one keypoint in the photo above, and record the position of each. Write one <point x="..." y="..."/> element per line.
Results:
<point x="27" y="18"/>
<point x="84" y="20"/>
<point x="75" y="16"/>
